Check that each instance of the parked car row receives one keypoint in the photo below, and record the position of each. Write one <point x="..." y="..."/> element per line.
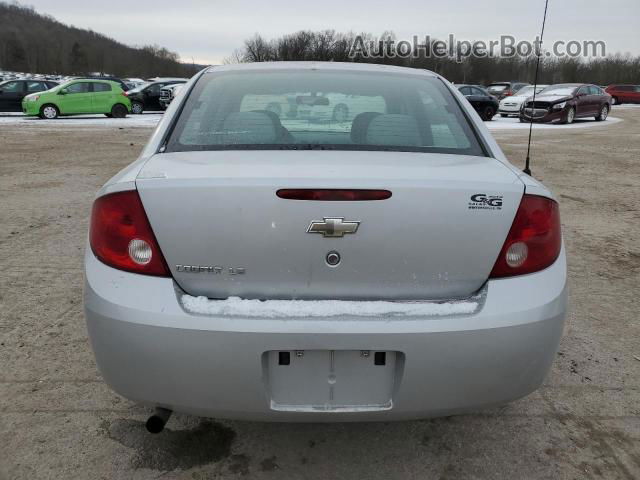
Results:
<point x="146" y="97"/>
<point x="560" y="103"/>
<point x="110" y="96"/>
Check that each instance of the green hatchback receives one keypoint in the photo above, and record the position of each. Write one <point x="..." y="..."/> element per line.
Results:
<point x="78" y="97"/>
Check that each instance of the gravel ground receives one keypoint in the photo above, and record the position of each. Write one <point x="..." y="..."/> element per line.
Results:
<point x="59" y="420"/>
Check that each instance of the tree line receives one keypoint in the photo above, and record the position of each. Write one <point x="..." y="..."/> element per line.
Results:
<point x="36" y="43"/>
<point x="329" y="45"/>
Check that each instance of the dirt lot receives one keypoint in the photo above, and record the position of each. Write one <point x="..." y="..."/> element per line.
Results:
<point x="58" y="420"/>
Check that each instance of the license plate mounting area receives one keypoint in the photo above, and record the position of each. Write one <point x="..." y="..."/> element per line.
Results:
<point x="331" y="380"/>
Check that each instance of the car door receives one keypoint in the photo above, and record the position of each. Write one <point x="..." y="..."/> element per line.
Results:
<point x="468" y="94"/>
<point x="102" y="97"/>
<point x="76" y="98"/>
<point x="598" y="97"/>
<point x="584" y="102"/>
<point x="11" y="95"/>
<point x="482" y="98"/>
<point x="152" y="96"/>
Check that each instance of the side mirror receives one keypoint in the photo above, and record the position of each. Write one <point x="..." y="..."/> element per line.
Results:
<point x="63" y="92"/>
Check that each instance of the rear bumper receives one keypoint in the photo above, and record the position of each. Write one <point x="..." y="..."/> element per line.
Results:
<point x="509" y="110"/>
<point x="152" y="351"/>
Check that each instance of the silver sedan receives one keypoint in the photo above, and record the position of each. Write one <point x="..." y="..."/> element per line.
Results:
<point x="264" y="259"/>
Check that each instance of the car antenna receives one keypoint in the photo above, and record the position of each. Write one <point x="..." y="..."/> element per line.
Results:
<point x="527" y="170"/>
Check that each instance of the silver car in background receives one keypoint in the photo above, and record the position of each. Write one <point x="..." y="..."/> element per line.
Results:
<point x="168" y="93"/>
<point x="512" y="105"/>
<point x="389" y="264"/>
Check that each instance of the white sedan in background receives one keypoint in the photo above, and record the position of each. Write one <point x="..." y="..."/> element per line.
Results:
<point x="511" y="105"/>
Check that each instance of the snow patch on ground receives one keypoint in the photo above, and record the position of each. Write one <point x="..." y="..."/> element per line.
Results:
<point x="144" y="120"/>
<point x="513" y="123"/>
<point x="237" y="307"/>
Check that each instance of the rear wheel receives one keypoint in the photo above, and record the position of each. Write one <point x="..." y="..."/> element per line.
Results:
<point x="137" y="108"/>
<point x="49" y="112"/>
<point x="488" y="113"/>
<point x="118" y="111"/>
<point x="604" y="113"/>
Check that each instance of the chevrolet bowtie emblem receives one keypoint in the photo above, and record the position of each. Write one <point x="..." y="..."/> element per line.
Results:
<point x="333" y="227"/>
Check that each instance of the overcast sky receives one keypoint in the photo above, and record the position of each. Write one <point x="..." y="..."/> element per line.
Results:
<point x="209" y="30"/>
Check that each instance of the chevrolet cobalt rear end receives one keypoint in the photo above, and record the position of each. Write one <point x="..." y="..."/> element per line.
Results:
<point x="263" y="260"/>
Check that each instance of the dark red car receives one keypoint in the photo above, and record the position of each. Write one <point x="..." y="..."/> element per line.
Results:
<point x="624" y="94"/>
<point x="501" y="90"/>
<point x="564" y="102"/>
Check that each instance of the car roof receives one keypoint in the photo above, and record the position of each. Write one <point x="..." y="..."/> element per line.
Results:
<point x="574" y="85"/>
<point x="333" y="66"/>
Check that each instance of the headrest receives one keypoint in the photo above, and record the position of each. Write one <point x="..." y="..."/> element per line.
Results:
<point x="393" y="129"/>
<point x="360" y="125"/>
<point x="249" y="128"/>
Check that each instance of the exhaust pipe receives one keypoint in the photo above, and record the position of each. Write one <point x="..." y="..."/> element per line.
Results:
<point x="157" y="421"/>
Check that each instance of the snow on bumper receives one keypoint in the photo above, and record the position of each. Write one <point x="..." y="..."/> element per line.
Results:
<point x="235" y="306"/>
<point x="152" y="350"/>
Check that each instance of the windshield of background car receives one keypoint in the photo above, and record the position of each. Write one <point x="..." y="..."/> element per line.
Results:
<point x="327" y="109"/>
<point x="497" y="88"/>
<point x="139" y="88"/>
<point x="559" y="91"/>
<point x="527" y="91"/>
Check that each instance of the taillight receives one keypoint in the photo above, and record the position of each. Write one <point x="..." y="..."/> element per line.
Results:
<point x="121" y="237"/>
<point x="534" y="240"/>
<point x="332" y="194"/>
<point x="125" y="94"/>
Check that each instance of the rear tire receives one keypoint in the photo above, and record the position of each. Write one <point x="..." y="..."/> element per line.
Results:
<point x="488" y="113"/>
<point x="137" y="108"/>
<point x="604" y="113"/>
<point x="108" y="115"/>
<point x="119" y="111"/>
<point x="49" y="112"/>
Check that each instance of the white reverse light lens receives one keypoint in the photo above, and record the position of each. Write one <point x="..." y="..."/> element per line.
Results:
<point x="516" y="254"/>
<point x="140" y="251"/>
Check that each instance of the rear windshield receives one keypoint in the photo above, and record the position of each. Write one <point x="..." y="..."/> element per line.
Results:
<point x="498" y="88"/>
<point x="307" y="109"/>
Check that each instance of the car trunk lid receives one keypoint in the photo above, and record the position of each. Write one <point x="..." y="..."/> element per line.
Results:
<point x="224" y="231"/>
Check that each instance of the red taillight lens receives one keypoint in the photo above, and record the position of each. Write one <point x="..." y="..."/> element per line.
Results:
<point x="333" y="195"/>
<point x="534" y="240"/>
<point x="121" y="237"/>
